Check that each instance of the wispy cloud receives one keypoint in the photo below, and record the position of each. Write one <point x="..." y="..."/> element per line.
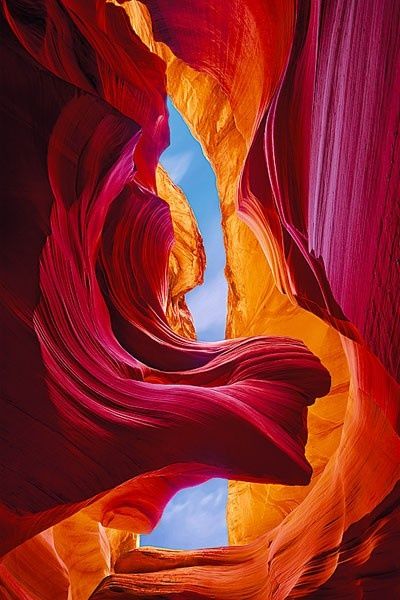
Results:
<point x="177" y="165"/>
<point x="207" y="304"/>
<point x="194" y="518"/>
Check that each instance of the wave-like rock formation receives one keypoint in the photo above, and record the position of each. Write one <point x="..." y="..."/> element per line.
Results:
<point x="110" y="405"/>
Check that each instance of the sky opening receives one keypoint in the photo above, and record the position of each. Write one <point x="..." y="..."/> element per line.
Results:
<point x="195" y="517"/>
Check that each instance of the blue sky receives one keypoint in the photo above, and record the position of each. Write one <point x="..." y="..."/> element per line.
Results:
<point x="195" y="517"/>
<point x="185" y="162"/>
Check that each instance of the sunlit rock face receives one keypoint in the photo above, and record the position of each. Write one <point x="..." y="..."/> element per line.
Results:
<point x="111" y="405"/>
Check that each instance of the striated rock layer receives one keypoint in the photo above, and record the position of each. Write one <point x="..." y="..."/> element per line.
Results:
<point x="107" y="410"/>
<point x="316" y="169"/>
<point x="110" y="405"/>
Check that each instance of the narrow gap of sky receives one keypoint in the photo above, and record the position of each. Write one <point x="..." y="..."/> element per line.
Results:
<point x="195" y="517"/>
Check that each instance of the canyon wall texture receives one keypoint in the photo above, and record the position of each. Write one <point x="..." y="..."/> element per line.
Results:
<point x="110" y="403"/>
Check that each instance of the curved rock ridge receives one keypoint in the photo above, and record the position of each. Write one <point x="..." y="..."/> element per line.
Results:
<point x="339" y="542"/>
<point x="108" y="411"/>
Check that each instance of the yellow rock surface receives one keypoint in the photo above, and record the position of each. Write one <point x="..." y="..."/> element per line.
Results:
<point x="187" y="258"/>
